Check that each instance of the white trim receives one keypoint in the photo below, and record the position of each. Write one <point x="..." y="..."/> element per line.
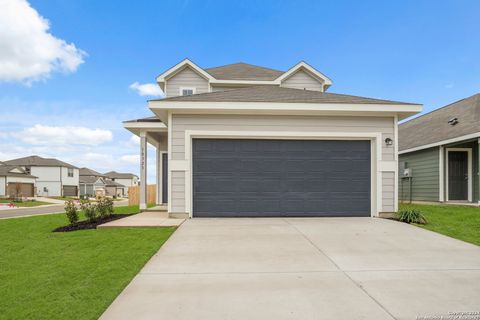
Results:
<point x="326" y="80"/>
<point x="441" y="174"/>
<point x="395" y="152"/>
<point x="443" y="142"/>
<point x="179" y="66"/>
<point x="161" y="178"/>
<point x="169" y="139"/>
<point x="469" y="169"/>
<point x="374" y="137"/>
<point x="150" y="126"/>
<point x="180" y="90"/>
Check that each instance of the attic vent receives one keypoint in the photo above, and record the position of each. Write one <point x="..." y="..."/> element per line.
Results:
<point x="453" y="121"/>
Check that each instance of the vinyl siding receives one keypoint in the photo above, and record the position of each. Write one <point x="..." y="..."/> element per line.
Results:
<point x="248" y="123"/>
<point x="302" y="80"/>
<point x="178" y="191"/>
<point x="388" y="191"/>
<point x="424" y="165"/>
<point x="186" y="78"/>
<point x="2" y="187"/>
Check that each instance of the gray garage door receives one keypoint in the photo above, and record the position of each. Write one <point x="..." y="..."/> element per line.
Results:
<point x="269" y="178"/>
<point x="69" y="191"/>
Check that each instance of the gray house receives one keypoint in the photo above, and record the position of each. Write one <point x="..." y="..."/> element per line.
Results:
<point x="439" y="154"/>
<point x="93" y="183"/>
<point x="242" y="140"/>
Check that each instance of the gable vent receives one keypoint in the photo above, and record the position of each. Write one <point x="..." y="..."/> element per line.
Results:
<point x="453" y="121"/>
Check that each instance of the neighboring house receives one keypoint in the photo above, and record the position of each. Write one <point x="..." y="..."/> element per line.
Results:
<point x="15" y="182"/>
<point x="93" y="184"/>
<point x="244" y="140"/>
<point x="125" y="179"/>
<point x="441" y="151"/>
<point x="54" y="177"/>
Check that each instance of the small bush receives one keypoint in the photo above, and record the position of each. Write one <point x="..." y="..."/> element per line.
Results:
<point x="411" y="216"/>
<point x="90" y="210"/>
<point x="71" y="211"/>
<point x="105" y="207"/>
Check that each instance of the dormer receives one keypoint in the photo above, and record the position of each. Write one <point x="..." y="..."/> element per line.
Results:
<point x="187" y="78"/>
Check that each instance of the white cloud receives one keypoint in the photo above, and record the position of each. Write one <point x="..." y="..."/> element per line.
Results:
<point x="130" y="159"/>
<point x="147" y="89"/>
<point x="28" y="51"/>
<point x="51" y="135"/>
<point x="449" y="86"/>
<point x="133" y="142"/>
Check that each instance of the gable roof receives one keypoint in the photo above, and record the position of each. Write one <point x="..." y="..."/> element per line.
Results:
<point x="39" y="161"/>
<point x="433" y="127"/>
<point x="280" y="95"/>
<point x="243" y="71"/>
<point x="90" y="172"/>
<point x="302" y="65"/>
<point x="119" y="175"/>
<point x="90" y="180"/>
<point x="6" y="171"/>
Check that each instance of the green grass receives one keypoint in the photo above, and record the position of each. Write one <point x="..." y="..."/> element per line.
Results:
<point x="28" y="203"/>
<point x="460" y="222"/>
<point x="73" y="275"/>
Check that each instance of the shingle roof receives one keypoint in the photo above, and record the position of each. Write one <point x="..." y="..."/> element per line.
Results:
<point x="89" y="179"/>
<point x="280" y="95"/>
<point x="118" y="175"/>
<point x="39" y="161"/>
<point x="243" y="71"/>
<point x="147" y="119"/>
<point x="90" y="172"/>
<point x="433" y="127"/>
<point x="5" y="171"/>
<point x="110" y="183"/>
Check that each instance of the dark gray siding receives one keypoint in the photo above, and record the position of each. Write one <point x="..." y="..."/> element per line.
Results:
<point x="425" y="171"/>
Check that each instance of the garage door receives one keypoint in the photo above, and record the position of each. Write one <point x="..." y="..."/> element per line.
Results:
<point x="20" y="189"/>
<point x="269" y="178"/>
<point x="69" y="191"/>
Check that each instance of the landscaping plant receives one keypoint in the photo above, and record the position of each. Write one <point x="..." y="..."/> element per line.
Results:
<point x="71" y="211"/>
<point x="104" y="207"/>
<point x="411" y="215"/>
<point x="89" y="209"/>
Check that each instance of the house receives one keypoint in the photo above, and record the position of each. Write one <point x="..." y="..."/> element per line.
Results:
<point x="439" y="154"/>
<point x="242" y="140"/>
<point x="96" y="184"/>
<point x="54" y="177"/>
<point x="125" y="179"/>
<point x="15" y="182"/>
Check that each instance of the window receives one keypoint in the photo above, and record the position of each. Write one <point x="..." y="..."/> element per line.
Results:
<point x="28" y="170"/>
<point x="187" y="91"/>
<point x="70" y="172"/>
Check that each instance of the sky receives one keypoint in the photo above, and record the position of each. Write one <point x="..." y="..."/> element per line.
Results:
<point x="72" y="71"/>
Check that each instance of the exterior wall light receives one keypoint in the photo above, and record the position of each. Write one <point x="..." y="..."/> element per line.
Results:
<point x="388" y="141"/>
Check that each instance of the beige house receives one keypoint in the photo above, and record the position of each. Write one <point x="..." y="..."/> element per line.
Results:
<point x="242" y="140"/>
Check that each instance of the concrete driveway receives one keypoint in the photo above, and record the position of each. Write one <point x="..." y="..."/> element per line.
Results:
<point x="315" y="268"/>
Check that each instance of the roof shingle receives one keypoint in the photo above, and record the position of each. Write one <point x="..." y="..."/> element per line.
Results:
<point x="278" y="94"/>
<point x="433" y="127"/>
<point x="243" y="71"/>
<point x="39" y="161"/>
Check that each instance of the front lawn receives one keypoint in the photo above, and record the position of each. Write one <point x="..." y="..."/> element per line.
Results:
<point x="72" y="275"/>
<point x="460" y="222"/>
<point x="27" y="203"/>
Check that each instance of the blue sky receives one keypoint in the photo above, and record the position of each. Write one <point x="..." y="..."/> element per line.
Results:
<point x="415" y="51"/>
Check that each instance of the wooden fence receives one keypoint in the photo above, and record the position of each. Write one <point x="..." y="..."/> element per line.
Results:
<point x="134" y="194"/>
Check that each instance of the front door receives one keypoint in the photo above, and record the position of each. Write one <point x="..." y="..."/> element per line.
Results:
<point x="458" y="175"/>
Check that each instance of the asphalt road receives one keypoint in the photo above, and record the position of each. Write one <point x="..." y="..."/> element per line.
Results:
<point x="22" y="212"/>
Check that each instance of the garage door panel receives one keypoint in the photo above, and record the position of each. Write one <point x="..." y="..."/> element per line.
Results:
<point x="281" y="178"/>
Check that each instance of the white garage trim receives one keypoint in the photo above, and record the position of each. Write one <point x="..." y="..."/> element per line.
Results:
<point x="374" y="137"/>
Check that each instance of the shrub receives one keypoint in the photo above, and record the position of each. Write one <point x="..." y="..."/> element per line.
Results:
<point x="411" y="216"/>
<point x="71" y="211"/>
<point x="90" y="209"/>
<point x="105" y="207"/>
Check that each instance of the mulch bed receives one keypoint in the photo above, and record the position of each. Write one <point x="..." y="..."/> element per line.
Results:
<point x="85" y="224"/>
